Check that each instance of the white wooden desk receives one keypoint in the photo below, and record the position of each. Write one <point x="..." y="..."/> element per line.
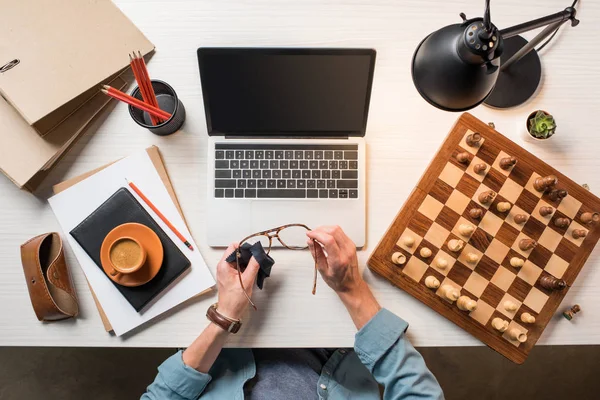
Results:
<point x="402" y="133"/>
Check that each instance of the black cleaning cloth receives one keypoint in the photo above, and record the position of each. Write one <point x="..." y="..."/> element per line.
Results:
<point x="256" y="250"/>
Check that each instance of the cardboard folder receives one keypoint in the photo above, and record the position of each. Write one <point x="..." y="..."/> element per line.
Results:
<point x="53" y="58"/>
<point x="158" y="163"/>
<point x="65" y="48"/>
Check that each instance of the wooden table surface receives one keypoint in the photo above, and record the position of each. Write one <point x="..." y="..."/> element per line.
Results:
<point x="402" y="134"/>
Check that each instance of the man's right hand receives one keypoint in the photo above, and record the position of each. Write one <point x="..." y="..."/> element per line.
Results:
<point x="338" y="264"/>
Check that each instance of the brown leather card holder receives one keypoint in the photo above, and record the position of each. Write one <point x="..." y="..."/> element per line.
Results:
<point x="48" y="280"/>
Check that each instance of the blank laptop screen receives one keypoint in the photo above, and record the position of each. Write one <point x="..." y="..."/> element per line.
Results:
<point x="286" y="92"/>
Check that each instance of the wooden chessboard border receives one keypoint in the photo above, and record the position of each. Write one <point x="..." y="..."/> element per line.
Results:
<point x="380" y="262"/>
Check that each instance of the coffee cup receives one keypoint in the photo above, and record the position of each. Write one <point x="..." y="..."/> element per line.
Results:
<point x="126" y="255"/>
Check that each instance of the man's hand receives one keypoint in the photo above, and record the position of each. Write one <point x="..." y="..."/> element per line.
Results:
<point x="203" y="352"/>
<point x="338" y="264"/>
<point x="339" y="268"/>
<point x="232" y="301"/>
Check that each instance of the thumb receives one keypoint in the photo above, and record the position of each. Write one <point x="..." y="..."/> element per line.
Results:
<point x="249" y="274"/>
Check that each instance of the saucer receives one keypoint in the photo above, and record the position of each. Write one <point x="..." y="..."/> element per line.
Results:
<point x="151" y="243"/>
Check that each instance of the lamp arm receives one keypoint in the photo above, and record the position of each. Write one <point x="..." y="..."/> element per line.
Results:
<point x="562" y="16"/>
<point x="552" y="23"/>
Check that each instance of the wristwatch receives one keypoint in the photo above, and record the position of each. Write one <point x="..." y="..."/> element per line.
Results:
<point x="229" y="324"/>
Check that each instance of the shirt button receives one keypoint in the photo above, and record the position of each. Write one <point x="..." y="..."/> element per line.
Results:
<point x="323" y="386"/>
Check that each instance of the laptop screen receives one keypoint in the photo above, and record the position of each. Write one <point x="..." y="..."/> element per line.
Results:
<point x="286" y="92"/>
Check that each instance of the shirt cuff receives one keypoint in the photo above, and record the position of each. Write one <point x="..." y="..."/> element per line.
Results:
<point x="181" y="379"/>
<point x="378" y="335"/>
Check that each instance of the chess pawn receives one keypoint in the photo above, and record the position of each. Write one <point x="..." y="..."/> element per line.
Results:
<point x="432" y="282"/>
<point x="476" y="213"/>
<point x="520" y="219"/>
<point x="486" y="197"/>
<point x="450" y="293"/>
<point x="508" y="162"/>
<point x="517" y="335"/>
<point x="465" y="303"/>
<point x="527" y="244"/>
<point x="589" y="218"/>
<point x="578" y="233"/>
<point x="517" y="262"/>
<point x="562" y="222"/>
<point x="503" y="206"/>
<point x="473" y="139"/>
<point x="557" y="194"/>
<point x="542" y="184"/>
<point x="408" y="241"/>
<point x="463" y="157"/>
<point x="455" y="245"/>
<point x="570" y="313"/>
<point x="479" y="168"/>
<point x="546" y="210"/>
<point x="527" y="318"/>
<point x="398" y="258"/>
<point x="466" y="229"/>
<point x="425" y="252"/>
<point x="552" y="283"/>
<point x="499" y="324"/>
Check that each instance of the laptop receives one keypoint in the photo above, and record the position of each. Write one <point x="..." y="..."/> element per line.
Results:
<point x="286" y="142"/>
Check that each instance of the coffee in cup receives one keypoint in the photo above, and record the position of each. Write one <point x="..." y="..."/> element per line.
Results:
<point x="126" y="256"/>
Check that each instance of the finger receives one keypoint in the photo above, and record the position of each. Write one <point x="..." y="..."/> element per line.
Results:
<point x="230" y="249"/>
<point x="249" y="274"/>
<point x="317" y="253"/>
<point x="327" y="240"/>
<point x="344" y="242"/>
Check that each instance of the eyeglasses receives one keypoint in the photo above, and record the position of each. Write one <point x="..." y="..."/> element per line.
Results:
<point x="292" y="237"/>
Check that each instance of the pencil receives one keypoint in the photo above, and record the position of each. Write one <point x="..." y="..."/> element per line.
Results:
<point x="160" y="215"/>
<point x="137" y="103"/>
<point x="146" y="75"/>
<point x="139" y="78"/>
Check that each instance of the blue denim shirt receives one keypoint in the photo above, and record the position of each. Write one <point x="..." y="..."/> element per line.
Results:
<point x="380" y="346"/>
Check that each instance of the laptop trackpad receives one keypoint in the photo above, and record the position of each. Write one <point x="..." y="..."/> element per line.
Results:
<point x="270" y="214"/>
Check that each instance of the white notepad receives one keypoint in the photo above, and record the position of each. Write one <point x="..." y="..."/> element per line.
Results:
<point x="76" y="203"/>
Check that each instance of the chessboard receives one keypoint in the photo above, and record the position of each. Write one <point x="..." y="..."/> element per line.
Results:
<point x="472" y="228"/>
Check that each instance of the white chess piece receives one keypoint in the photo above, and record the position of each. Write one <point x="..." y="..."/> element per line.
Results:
<point x="499" y="324"/>
<point x="503" y="206"/>
<point x="425" y="252"/>
<point x="432" y="282"/>
<point x="517" y="335"/>
<point x="455" y="245"/>
<point x="527" y="318"/>
<point x="398" y="258"/>
<point x="441" y="263"/>
<point x="465" y="303"/>
<point x="466" y="229"/>
<point x="450" y="293"/>
<point x="510" y="306"/>
<point x="472" y="258"/>
<point x="408" y="241"/>
<point x="517" y="262"/>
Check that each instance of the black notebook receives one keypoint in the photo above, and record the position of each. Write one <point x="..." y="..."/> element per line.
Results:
<point x="119" y="209"/>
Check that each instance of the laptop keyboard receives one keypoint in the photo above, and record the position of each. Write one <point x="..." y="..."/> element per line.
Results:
<point x="285" y="171"/>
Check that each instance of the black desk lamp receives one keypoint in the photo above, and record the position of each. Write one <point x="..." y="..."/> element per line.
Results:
<point x="463" y="65"/>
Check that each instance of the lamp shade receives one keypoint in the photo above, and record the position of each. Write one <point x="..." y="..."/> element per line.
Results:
<point x="456" y="67"/>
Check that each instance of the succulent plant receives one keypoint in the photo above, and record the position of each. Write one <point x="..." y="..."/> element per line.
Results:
<point x="541" y="125"/>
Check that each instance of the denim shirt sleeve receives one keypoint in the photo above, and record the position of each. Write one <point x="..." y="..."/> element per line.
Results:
<point x="176" y="381"/>
<point x="383" y="348"/>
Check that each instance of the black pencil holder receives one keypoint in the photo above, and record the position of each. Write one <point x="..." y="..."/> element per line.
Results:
<point x="167" y="101"/>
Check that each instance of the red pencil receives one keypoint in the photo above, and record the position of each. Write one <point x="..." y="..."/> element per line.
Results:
<point x="124" y="97"/>
<point x="160" y="215"/>
<point x="146" y="75"/>
<point x="139" y="78"/>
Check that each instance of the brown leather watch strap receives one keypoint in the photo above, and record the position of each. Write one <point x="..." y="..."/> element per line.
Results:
<point x="229" y="324"/>
<point x="50" y="289"/>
